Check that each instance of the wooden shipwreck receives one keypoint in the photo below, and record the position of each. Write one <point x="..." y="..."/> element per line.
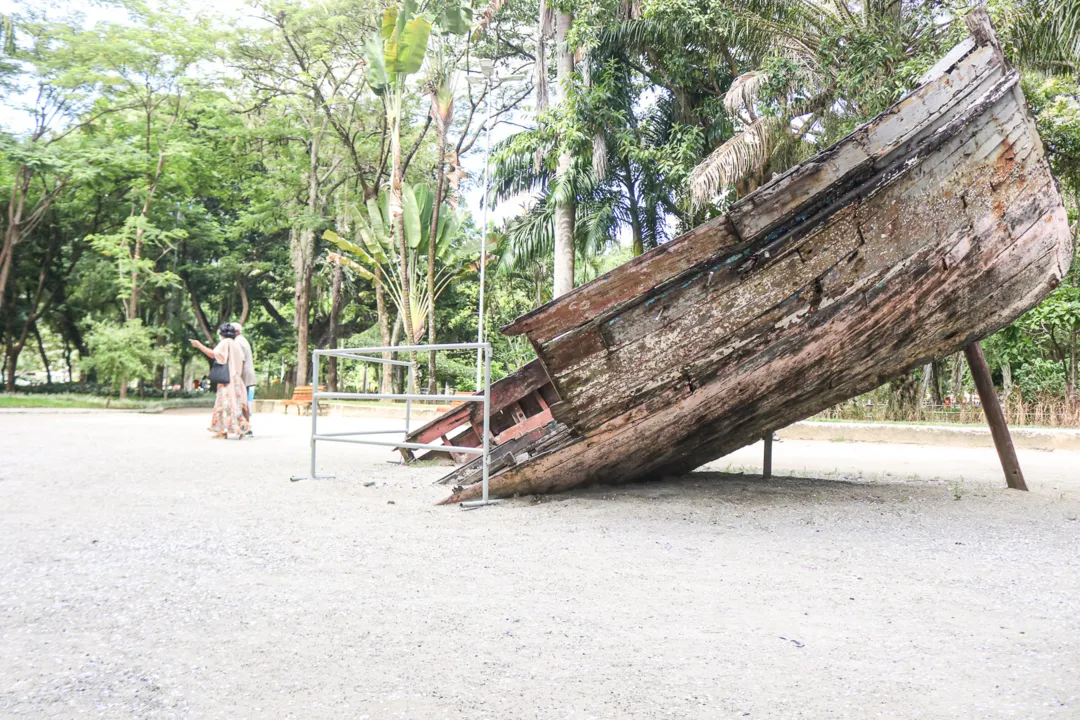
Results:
<point x="930" y="227"/>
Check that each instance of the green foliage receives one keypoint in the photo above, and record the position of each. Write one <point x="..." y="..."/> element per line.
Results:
<point x="120" y="247"/>
<point x="372" y="250"/>
<point x="397" y="49"/>
<point x="120" y="352"/>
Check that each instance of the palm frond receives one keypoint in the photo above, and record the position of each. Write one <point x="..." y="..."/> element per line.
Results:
<point x="743" y="92"/>
<point x="1046" y="35"/>
<point x="735" y="159"/>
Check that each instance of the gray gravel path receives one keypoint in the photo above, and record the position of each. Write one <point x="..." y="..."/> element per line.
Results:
<point x="148" y="571"/>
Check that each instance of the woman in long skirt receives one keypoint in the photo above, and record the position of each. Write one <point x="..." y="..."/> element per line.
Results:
<point x="228" y="417"/>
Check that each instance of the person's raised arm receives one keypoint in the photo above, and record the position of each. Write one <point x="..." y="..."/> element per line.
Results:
<point x="208" y="352"/>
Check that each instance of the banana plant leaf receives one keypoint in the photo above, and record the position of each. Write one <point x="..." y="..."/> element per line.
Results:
<point x="410" y="218"/>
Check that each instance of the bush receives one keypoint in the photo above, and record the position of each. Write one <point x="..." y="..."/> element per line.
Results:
<point x="99" y="390"/>
<point x="122" y="353"/>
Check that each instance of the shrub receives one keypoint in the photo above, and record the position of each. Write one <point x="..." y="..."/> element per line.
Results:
<point x="122" y="353"/>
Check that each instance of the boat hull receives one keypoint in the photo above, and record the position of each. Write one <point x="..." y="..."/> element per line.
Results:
<point x="932" y="227"/>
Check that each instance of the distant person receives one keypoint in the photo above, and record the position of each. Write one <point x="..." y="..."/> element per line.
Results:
<point x="228" y="417"/>
<point x="249" y="371"/>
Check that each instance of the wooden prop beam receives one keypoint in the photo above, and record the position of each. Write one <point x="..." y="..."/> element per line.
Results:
<point x="980" y="371"/>
<point x="766" y="468"/>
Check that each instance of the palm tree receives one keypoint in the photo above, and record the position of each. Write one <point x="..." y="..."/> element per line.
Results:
<point x="564" y="194"/>
<point x="828" y="66"/>
<point x="373" y="250"/>
<point x="393" y="53"/>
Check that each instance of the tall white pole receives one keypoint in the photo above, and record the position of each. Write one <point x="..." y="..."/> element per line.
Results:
<point x="483" y="247"/>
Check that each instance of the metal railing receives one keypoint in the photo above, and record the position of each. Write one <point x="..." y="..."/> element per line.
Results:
<point x="372" y="355"/>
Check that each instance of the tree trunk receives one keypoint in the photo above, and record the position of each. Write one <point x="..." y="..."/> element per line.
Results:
<point x="1072" y="366"/>
<point x="564" y="210"/>
<point x="335" y="311"/>
<point x="13" y="234"/>
<point x="302" y="301"/>
<point x="432" y="242"/>
<point x="44" y="356"/>
<point x="67" y="361"/>
<point x="133" y="307"/>
<point x="245" y="304"/>
<point x="958" y="379"/>
<point x="395" y="337"/>
<point x="1006" y="382"/>
<point x="6" y="262"/>
<point x="303" y="245"/>
<point x="927" y="377"/>
<point x="935" y="386"/>
<point x="12" y="365"/>
<point x="384" y="332"/>
<point x="397" y="227"/>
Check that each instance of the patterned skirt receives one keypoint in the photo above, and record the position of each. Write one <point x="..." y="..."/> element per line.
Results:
<point x="229" y="406"/>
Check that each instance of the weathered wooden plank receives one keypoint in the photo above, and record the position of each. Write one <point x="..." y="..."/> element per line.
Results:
<point x="504" y="392"/>
<point x="638" y="368"/>
<point x="933" y="105"/>
<point x="505" y="455"/>
<point x="948" y="61"/>
<point x="626" y="282"/>
<point x="512" y="388"/>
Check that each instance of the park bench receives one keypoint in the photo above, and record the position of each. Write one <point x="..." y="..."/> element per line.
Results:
<point x="301" y="398"/>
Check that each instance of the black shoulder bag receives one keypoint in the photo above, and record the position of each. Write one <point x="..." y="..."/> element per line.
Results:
<point x="219" y="372"/>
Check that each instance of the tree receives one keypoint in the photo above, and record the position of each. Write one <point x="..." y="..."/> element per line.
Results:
<point x="376" y="251"/>
<point x="62" y="86"/>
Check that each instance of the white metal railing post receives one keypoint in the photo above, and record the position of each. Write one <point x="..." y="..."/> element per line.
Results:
<point x="487" y="419"/>
<point x="369" y="354"/>
<point x="409" y="393"/>
<point x="314" y="405"/>
<point x="486" y="457"/>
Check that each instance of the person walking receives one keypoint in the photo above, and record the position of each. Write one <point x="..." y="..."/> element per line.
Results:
<point x="249" y="372"/>
<point x="228" y="417"/>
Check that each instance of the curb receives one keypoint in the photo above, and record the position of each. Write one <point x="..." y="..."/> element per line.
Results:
<point x="1024" y="438"/>
<point x="81" y="411"/>
<point x="420" y="414"/>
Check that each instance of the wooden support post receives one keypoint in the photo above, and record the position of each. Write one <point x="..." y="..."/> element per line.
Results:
<point x="766" y="468"/>
<point x="980" y="371"/>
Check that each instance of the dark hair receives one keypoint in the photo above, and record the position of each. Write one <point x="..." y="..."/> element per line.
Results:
<point x="227" y="330"/>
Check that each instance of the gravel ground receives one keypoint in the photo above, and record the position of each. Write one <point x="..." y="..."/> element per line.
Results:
<point x="148" y="571"/>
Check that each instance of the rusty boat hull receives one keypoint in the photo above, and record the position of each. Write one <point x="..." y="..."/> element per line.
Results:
<point x="931" y="227"/>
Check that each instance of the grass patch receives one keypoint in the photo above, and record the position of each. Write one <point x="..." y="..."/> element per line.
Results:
<point x="72" y="401"/>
